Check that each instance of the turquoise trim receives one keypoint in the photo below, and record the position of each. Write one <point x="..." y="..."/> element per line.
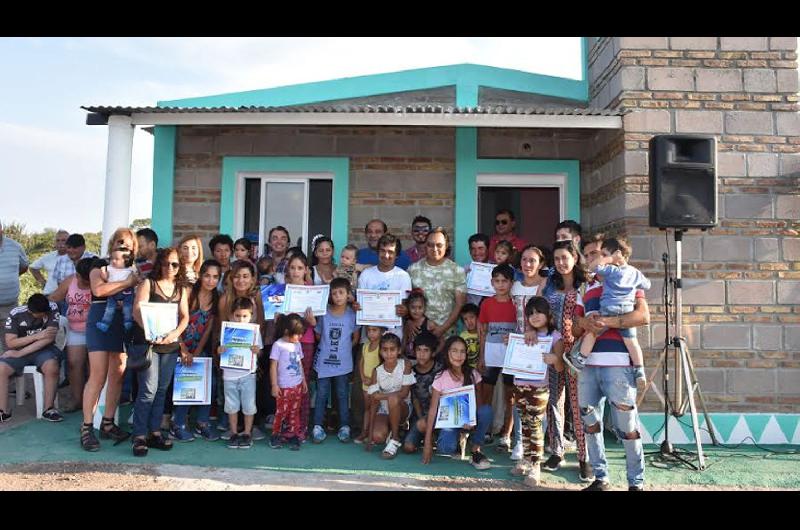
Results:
<point x="340" y="167"/>
<point x="732" y="428"/>
<point x="164" y="139"/>
<point x="466" y="201"/>
<point x="585" y="66"/>
<point x="466" y="77"/>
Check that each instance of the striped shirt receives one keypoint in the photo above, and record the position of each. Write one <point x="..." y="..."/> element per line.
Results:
<point x="609" y="349"/>
<point x="65" y="267"/>
<point x="12" y="257"/>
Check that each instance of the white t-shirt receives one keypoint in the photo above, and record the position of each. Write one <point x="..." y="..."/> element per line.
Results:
<point x="48" y="263"/>
<point x="520" y="296"/>
<point x="119" y="275"/>
<point x="395" y="280"/>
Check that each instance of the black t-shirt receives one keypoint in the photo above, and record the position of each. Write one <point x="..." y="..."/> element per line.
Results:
<point x="421" y="390"/>
<point x="22" y="323"/>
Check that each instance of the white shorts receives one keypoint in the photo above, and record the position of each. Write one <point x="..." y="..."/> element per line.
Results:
<point x="76" y="338"/>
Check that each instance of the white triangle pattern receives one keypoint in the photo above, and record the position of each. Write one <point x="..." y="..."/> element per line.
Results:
<point x="772" y="433"/>
<point x="646" y="437"/>
<point x="676" y="434"/>
<point x="740" y="432"/>
<point x="705" y="437"/>
<point x="796" y="437"/>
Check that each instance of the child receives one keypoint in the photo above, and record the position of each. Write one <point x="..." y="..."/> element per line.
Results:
<point x="456" y="373"/>
<point x="504" y="252"/>
<point x="620" y="282"/>
<point x="497" y="318"/>
<point x="532" y="397"/>
<point x="288" y="382"/>
<point x="266" y="270"/>
<point x="416" y="323"/>
<point x="424" y="372"/>
<point x="389" y="393"/>
<point x="119" y="269"/>
<point x="242" y="248"/>
<point x="370" y="359"/>
<point x="347" y="266"/>
<point x="240" y="386"/>
<point x="336" y="332"/>
<point x="469" y="317"/>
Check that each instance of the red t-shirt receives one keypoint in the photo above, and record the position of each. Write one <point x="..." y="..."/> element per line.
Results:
<point x="517" y="242"/>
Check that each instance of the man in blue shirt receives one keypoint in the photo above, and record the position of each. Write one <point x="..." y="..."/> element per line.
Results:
<point x="369" y="254"/>
<point x="13" y="264"/>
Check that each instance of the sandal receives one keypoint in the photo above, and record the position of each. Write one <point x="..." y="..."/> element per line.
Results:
<point x="390" y="451"/>
<point x="52" y="414"/>
<point x="159" y="442"/>
<point x="109" y="430"/>
<point x="88" y="440"/>
<point x="140" y="446"/>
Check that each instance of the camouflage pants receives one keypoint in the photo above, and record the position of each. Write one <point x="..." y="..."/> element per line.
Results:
<point x="532" y="405"/>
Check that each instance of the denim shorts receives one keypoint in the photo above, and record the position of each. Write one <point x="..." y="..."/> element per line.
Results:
<point x="492" y="374"/>
<point x="619" y="310"/>
<point x="240" y="394"/>
<point x="37" y="358"/>
<point x="109" y="341"/>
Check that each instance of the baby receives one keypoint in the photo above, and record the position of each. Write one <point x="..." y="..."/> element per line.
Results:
<point x="119" y="269"/>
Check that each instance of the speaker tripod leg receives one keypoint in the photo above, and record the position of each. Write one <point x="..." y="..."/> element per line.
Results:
<point x="696" y="384"/>
<point x="684" y="361"/>
<point x="651" y="380"/>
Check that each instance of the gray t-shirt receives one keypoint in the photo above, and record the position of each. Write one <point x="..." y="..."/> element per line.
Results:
<point x="335" y="352"/>
<point x="12" y="257"/>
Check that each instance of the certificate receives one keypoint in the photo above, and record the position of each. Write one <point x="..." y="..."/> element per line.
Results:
<point x="299" y="297"/>
<point x="526" y="362"/>
<point x="457" y="408"/>
<point x="238" y="337"/>
<point x="379" y="308"/>
<point x="192" y="384"/>
<point x="272" y="299"/>
<point x="158" y="319"/>
<point x="479" y="279"/>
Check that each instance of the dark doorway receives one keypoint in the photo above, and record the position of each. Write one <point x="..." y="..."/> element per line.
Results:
<point x="536" y="211"/>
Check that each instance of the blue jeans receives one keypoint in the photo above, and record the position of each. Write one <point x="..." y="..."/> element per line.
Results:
<point x="517" y="432"/>
<point x="126" y="297"/>
<point x="181" y="412"/>
<point x="342" y="384"/>
<point x="153" y="383"/>
<point x="617" y="384"/>
<point x="447" y="442"/>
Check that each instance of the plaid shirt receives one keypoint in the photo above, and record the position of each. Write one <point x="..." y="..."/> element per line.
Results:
<point x="64" y="266"/>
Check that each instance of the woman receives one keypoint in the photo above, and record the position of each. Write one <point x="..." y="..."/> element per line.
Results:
<point x="562" y="291"/>
<point x="106" y="355"/>
<point x="191" y="251"/>
<point x="166" y="285"/>
<point x="76" y="290"/>
<point x="279" y="246"/>
<point x="322" y="265"/>
<point x="442" y="281"/>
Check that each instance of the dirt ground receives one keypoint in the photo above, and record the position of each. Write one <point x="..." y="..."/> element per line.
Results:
<point x="72" y="476"/>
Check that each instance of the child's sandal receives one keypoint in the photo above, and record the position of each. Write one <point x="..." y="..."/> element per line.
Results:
<point x="390" y="451"/>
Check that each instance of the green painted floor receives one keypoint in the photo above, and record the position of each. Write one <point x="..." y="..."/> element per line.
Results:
<point x="39" y="441"/>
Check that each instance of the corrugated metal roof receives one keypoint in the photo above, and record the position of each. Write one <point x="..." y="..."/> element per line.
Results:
<point x="362" y="109"/>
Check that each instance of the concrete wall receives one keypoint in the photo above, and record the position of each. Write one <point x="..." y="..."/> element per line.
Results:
<point x="742" y="293"/>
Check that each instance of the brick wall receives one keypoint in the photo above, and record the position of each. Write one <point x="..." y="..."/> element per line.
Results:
<point x="742" y="288"/>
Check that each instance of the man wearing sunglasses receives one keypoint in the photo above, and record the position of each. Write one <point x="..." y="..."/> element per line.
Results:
<point x="420" y="228"/>
<point x="504" y="225"/>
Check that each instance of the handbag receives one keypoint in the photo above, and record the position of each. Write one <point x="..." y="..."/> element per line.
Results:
<point x="140" y="359"/>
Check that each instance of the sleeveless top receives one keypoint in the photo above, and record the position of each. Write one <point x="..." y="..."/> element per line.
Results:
<point x="158" y="296"/>
<point x="198" y="322"/>
<point x="78" y="302"/>
<point x="98" y="264"/>
<point x="393" y="381"/>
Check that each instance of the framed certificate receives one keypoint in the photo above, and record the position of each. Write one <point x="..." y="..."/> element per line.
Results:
<point x="158" y="319"/>
<point x="299" y="297"/>
<point x="457" y="407"/>
<point x="238" y="337"/>
<point x="526" y="362"/>
<point x="192" y="384"/>
<point x="378" y="308"/>
<point x="479" y="279"/>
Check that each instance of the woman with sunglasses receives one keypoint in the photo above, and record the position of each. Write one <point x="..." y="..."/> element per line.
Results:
<point x="563" y="292"/>
<point x="166" y="285"/>
<point x="106" y="354"/>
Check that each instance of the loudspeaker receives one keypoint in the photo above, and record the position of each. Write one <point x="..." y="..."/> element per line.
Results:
<point x="683" y="181"/>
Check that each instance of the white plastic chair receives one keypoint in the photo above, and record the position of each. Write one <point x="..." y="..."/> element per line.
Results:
<point x="38" y="389"/>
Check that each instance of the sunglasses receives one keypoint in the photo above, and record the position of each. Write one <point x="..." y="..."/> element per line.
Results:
<point x="501" y="221"/>
<point x="420" y="229"/>
<point x="174" y="264"/>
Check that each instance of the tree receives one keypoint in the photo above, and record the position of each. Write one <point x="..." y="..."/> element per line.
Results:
<point x="136" y="224"/>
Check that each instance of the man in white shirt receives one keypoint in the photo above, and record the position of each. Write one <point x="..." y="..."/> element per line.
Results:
<point x="386" y="276"/>
<point x="48" y="263"/>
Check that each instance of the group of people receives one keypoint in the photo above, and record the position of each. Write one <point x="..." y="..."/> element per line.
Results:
<point x="576" y="289"/>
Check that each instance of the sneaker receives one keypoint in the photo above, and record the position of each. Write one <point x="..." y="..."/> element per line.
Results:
<point x="479" y="461"/>
<point x="275" y="441"/>
<point x="269" y="421"/>
<point x="257" y="434"/>
<point x="488" y="439"/>
<point x="344" y="434"/>
<point x="233" y="441"/>
<point x="635" y="488"/>
<point x="318" y="435"/>
<point x="4" y="416"/>
<point x="294" y="443"/>
<point x="204" y="431"/>
<point x="227" y="435"/>
<point x="598" y="485"/>
<point x="533" y="476"/>
<point x="517" y="452"/>
<point x="586" y="473"/>
<point x="575" y="363"/>
<point x="553" y="463"/>
<point x="181" y="434"/>
<point x="52" y="414"/>
<point x="521" y="468"/>
<point x="503" y="444"/>
<point x="245" y="441"/>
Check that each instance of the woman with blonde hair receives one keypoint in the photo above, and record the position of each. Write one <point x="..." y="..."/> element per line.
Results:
<point x="190" y="250"/>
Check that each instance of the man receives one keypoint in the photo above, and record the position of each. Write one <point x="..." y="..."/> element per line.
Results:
<point x="478" y="252"/>
<point x="13" y="264"/>
<point x="76" y="251"/>
<point x="504" y="225"/>
<point x="386" y="276"/>
<point x="607" y="376"/>
<point x="569" y="229"/>
<point x="48" y="262"/>
<point x="221" y="246"/>
<point x="368" y="255"/>
<point x="148" y="246"/>
<point x="420" y="228"/>
<point x="29" y="333"/>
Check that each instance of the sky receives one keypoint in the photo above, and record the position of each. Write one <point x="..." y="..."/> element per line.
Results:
<point x="52" y="165"/>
